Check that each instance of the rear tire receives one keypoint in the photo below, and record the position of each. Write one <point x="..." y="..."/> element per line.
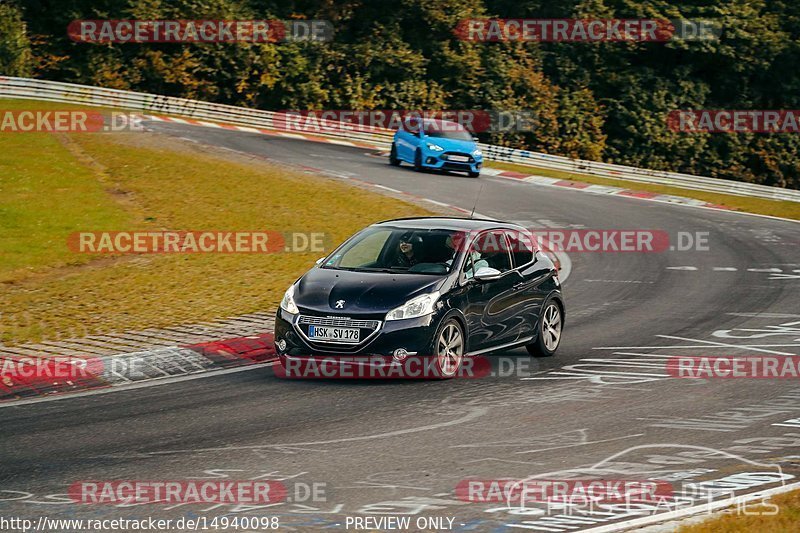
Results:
<point x="548" y="339"/>
<point x="418" y="161"/>
<point x="393" y="156"/>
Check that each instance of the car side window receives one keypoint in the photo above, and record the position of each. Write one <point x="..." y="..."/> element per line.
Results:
<point x="411" y="127"/>
<point x="492" y="248"/>
<point x="521" y="246"/>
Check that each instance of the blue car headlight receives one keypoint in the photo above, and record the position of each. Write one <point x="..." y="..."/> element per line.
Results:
<point x="415" y="307"/>
<point x="434" y="147"/>
<point x="477" y="153"/>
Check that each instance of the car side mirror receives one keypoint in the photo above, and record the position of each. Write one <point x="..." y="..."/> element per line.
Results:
<point x="319" y="261"/>
<point x="487" y="274"/>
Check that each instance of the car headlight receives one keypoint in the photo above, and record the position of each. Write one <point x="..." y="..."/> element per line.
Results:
<point x="287" y="304"/>
<point x="435" y="147"/>
<point x="415" y="307"/>
<point x="477" y="153"/>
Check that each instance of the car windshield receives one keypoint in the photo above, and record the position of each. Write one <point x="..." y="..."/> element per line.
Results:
<point x="447" y="130"/>
<point x="398" y="250"/>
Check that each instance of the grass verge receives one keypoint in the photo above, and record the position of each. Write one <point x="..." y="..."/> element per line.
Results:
<point x="787" y="520"/>
<point x="761" y="206"/>
<point x="55" y="185"/>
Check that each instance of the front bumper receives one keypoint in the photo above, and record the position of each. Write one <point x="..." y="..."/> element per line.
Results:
<point x="445" y="161"/>
<point x="415" y="335"/>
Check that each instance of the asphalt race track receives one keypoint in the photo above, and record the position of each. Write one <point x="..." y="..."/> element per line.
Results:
<point x="604" y="405"/>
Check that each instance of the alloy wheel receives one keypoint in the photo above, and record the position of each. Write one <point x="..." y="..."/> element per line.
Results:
<point x="551" y="326"/>
<point x="450" y="349"/>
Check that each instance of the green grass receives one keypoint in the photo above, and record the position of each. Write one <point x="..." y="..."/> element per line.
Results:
<point x="777" y="208"/>
<point x="138" y="181"/>
<point x="786" y="521"/>
<point x="45" y="194"/>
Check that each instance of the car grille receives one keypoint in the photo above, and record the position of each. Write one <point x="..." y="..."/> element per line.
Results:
<point x="369" y="329"/>
<point x="446" y="157"/>
<point x="341" y="322"/>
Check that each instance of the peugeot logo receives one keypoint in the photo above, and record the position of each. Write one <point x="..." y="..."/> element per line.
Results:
<point x="339" y="304"/>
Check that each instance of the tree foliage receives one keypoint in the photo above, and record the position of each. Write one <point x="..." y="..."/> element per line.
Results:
<point x="602" y="101"/>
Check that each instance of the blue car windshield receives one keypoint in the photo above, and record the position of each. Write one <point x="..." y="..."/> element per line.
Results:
<point x="398" y="250"/>
<point x="458" y="135"/>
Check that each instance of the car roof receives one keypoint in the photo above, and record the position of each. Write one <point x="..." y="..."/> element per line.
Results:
<point x="454" y="223"/>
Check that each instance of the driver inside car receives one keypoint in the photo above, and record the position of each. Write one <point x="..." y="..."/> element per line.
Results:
<point x="408" y="251"/>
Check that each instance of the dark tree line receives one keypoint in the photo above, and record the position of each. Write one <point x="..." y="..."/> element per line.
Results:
<point x="603" y="101"/>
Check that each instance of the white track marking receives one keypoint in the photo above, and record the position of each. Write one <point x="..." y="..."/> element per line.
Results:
<point x="470" y="416"/>
<point x="784" y="276"/>
<point x="435" y="202"/>
<point x="725" y="269"/>
<point x="686" y="347"/>
<point x="140" y="385"/>
<point x="725" y="345"/>
<point x="581" y="444"/>
<point x="682" y="268"/>
<point x="765" y="315"/>
<point x="385" y="188"/>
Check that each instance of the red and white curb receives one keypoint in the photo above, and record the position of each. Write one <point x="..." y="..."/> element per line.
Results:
<point x="28" y="377"/>
<point x="262" y="131"/>
<point x="51" y="368"/>
<point x="601" y="189"/>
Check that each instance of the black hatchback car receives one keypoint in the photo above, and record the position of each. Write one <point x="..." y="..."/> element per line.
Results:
<point x="443" y="288"/>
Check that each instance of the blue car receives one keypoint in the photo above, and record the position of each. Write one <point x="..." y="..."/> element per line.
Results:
<point x="436" y="144"/>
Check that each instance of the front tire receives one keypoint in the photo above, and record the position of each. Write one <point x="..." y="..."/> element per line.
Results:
<point x="449" y="349"/>
<point x="550" y="328"/>
<point x="474" y="174"/>
<point x="418" y="161"/>
<point x="393" y="160"/>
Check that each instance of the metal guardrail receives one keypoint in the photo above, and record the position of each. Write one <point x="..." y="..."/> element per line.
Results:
<point x="26" y="88"/>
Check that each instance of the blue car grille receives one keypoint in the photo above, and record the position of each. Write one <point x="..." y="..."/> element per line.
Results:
<point x="446" y="157"/>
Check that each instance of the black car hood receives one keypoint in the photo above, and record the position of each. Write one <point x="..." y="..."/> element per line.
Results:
<point x="361" y="292"/>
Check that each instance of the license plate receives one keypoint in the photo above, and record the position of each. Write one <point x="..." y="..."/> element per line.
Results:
<point x="459" y="158"/>
<point x="326" y="333"/>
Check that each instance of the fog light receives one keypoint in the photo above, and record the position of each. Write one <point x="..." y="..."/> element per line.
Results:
<point x="400" y="354"/>
<point x="281" y="345"/>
